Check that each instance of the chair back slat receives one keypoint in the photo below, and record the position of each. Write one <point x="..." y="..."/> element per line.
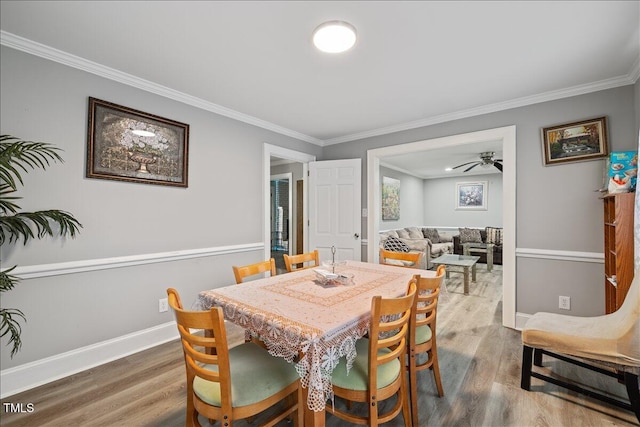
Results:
<point x="299" y="262"/>
<point x="400" y="259"/>
<point x="199" y="350"/>
<point x="244" y="271"/>
<point x="389" y="328"/>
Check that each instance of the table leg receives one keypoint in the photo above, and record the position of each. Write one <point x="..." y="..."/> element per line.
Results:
<point x="473" y="273"/>
<point x="489" y="259"/>
<point x="312" y="418"/>
<point x="466" y="280"/>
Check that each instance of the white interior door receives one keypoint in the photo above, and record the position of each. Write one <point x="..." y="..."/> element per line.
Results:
<point x="334" y="208"/>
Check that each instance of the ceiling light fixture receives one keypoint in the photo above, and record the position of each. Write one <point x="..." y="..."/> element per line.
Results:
<point x="334" y="36"/>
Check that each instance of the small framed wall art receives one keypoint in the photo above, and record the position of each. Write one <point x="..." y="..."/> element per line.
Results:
<point x="577" y="141"/>
<point x="124" y="144"/>
<point x="390" y="199"/>
<point x="471" y="195"/>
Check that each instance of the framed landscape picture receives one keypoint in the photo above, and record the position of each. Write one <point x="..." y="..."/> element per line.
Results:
<point x="390" y="199"/>
<point x="577" y="141"/>
<point x="471" y="195"/>
<point x="124" y="144"/>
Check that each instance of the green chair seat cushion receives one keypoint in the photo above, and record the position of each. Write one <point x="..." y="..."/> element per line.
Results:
<point x="423" y="334"/>
<point x="255" y="375"/>
<point x="358" y="376"/>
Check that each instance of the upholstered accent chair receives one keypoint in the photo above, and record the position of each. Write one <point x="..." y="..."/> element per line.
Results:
<point x="608" y="344"/>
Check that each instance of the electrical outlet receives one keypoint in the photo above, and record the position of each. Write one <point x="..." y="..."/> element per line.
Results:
<point x="163" y="305"/>
<point x="564" y="303"/>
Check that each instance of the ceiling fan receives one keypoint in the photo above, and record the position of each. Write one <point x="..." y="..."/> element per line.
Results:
<point x="486" y="159"/>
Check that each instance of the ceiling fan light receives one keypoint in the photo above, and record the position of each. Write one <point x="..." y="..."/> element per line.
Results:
<point x="334" y="36"/>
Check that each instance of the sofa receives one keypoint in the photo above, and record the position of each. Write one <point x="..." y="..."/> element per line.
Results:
<point x="429" y="241"/>
<point x="480" y="235"/>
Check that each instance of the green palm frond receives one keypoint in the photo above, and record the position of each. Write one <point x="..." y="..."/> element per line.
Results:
<point x="9" y="323"/>
<point x="27" y="225"/>
<point x="16" y="155"/>
<point x="7" y="206"/>
<point x="7" y="281"/>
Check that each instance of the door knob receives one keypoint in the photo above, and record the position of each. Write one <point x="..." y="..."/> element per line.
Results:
<point x="356" y="235"/>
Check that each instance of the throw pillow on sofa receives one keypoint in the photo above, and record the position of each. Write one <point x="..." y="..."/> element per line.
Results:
<point x="396" y="245"/>
<point x="403" y="233"/>
<point x="494" y="235"/>
<point x="431" y="234"/>
<point x="470" y="235"/>
<point x="415" y="233"/>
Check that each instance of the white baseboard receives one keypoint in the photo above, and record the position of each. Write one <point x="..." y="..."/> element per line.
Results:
<point x="521" y="319"/>
<point x="24" y="377"/>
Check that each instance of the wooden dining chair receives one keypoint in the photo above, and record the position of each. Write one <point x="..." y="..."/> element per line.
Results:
<point x="422" y="336"/>
<point x="230" y="384"/>
<point x="242" y="272"/>
<point x="378" y="371"/>
<point x="299" y="262"/>
<point x="400" y="259"/>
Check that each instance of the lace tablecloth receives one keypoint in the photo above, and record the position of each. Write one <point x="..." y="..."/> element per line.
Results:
<point x="306" y="322"/>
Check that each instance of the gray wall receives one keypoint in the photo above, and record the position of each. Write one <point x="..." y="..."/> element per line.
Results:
<point x="557" y="206"/>
<point x="440" y="203"/>
<point x="411" y="200"/>
<point x="46" y="101"/>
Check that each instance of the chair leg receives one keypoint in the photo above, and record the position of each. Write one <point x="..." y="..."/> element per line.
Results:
<point x="406" y="410"/>
<point x="631" y="382"/>
<point x="413" y="386"/>
<point x="537" y="357"/>
<point x="436" y="371"/>
<point x="525" y="378"/>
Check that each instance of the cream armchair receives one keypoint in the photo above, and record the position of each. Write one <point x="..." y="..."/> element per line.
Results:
<point x="608" y="344"/>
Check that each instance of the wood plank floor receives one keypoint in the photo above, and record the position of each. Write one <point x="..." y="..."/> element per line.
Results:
<point x="479" y="362"/>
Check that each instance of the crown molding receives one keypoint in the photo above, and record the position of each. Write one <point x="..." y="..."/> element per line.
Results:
<point x="499" y="106"/>
<point x="43" y="51"/>
<point x="38" y="49"/>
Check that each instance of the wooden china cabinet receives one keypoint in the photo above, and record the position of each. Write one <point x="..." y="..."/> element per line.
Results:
<point x="618" y="248"/>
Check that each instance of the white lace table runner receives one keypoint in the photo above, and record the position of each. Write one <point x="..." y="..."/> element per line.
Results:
<point x="302" y="320"/>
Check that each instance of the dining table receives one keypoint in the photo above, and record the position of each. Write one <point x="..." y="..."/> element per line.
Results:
<point x="310" y="321"/>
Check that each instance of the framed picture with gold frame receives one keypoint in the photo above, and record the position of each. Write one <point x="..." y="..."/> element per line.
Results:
<point x="124" y="144"/>
<point x="577" y="141"/>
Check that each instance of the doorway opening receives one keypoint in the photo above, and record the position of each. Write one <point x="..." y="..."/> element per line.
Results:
<point x="284" y="162"/>
<point x="507" y="135"/>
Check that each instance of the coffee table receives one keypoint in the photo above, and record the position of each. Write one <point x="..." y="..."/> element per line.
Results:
<point x="465" y="261"/>
<point x="486" y="248"/>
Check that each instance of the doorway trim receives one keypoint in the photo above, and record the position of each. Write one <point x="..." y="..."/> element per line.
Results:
<point x="268" y="151"/>
<point x="505" y="134"/>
